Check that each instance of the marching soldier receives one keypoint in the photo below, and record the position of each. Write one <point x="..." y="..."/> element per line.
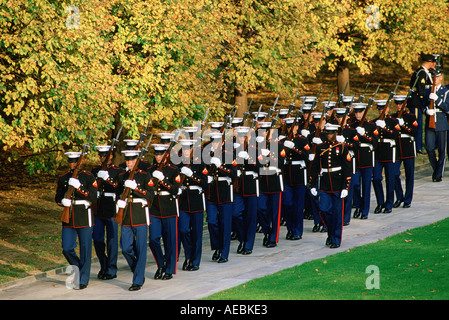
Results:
<point x="367" y="137"/>
<point x="436" y="138"/>
<point x="406" y="154"/>
<point x="81" y="218"/>
<point x="385" y="159"/>
<point x="271" y="185"/>
<point x="107" y="253"/>
<point x="192" y="204"/>
<point x="164" y="213"/>
<point x="418" y="102"/>
<point x="332" y="164"/>
<point x="295" y="177"/>
<point x="133" y="240"/>
<point x="247" y="192"/>
<point x="220" y="196"/>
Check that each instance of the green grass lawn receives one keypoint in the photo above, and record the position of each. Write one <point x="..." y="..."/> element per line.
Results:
<point x="411" y="265"/>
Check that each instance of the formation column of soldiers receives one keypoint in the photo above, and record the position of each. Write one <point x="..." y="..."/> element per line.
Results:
<point x="287" y="165"/>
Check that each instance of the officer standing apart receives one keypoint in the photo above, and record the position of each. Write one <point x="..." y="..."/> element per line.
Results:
<point x="104" y="215"/>
<point x="418" y="101"/>
<point x="436" y="137"/>
<point x="81" y="218"/>
<point x="332" y="164"/>
<point x="133" y="240"/>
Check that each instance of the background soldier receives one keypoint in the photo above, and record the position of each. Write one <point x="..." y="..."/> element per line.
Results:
<point x="105" y="211"/>
<point x="81" y="219"/>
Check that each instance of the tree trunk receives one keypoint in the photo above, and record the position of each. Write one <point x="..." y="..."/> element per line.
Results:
<point x="241" y="101"/>
<point x="343" y="76"/>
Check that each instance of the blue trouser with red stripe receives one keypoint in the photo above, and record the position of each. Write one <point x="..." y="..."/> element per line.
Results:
<point x="167" y="229"/>
<point x="331" y="211"/>
<point x="269" y="212"/>
<point x="293" y="201"/>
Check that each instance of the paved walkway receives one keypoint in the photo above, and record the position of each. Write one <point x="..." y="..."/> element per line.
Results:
<point x="430" y="204"/>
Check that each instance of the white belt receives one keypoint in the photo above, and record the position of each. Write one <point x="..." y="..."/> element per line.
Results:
<point x="390" y="141"/>
<point x="162" y="193"/>
<point x="273" y="169"/>
<point x="144" y="202"/>
<point x="107" y="194"/>
<point x="192" y="188"/>
<point x="251" y="173"/>
<point x="301" y="163"/>
<point x="227" y="179"/>
<point x="330" y="169"/>
<point x="404" y="135"/>
<point x="366" y="145"/>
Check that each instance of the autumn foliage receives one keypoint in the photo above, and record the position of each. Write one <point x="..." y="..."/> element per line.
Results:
<point x="69" y="67"/>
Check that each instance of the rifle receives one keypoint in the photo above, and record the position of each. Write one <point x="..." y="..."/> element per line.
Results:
<point x="104" y="164"/>
<point x="404" y="104"/>
<point x="345" y="117"/>
<point x="270" y="112"/>
<point x="246" y="114"/>
<point x="65" y="217"/>
<point x="121" y="211"/>
<point x="385" y="110"/>
<point x="166" y="155"/>
<point x="362" y="96"/>
<point x="339" y="100"/>
<point x="432" y="121"/>
<point x="370" y="103"/>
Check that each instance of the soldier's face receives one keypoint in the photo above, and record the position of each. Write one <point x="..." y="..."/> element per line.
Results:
<point x="358" y="115"/>
<point x="158" y="157"/>
<point x="72" y="165"/>
<point x="131" y="163"/>
<point x="331" y="136"/>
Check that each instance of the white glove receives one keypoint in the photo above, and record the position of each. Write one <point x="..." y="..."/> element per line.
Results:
<point x="239" y="173"/>
<point x="66" y="202"/>
<point x="187" y="171"/>
<point x="260" y="139"/>
<point x="305" y="132"/>
<point x="433" y="96"/>
<point x="74" y="183"/>
<point x="265" y="152"/>
<point x="430" y="112"/>
<point x="380" y="123"/>
<point x="401" y="121"/>
<point x="158" y="175"/>
<point x="236" y="145"/>
<point x="215" y="161"/>
<point x="360" y="131"/>
<point x="313" y="192"/>
<point x="311" y="156"/>
<point x="289" y="144"/>
<point x="209" y="179"/>
<point x="344" y="193"/>
<point x="103" y="174"/>
<point x="317" y="140"/>
<point x="244" y="155"/>
<point x="121" y="204"/>
<point x="340" y="139"/>
<point x="281" y="137"/>
<point x="130" y="184"/>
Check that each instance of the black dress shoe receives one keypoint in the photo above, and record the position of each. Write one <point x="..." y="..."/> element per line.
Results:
<point x="324" y="229"/>
<point x="240" y="247"/>
<point x="222" y="260"/>
<point x="437" y="180"/>
<point x="271" y="244"/>
<point x="295" y="237"/>
<point x="378" y="209"/>
<point x="167" y="276"/>
<point x="397" y="203"/>
<point x="328" y="241"/>
<point x="134" y="287"/>
<point x="357" y="213"/>
<point x="387" y="210"/>
<point x="108" y="276"/>
<point x="216" y="255"/>
<point x="101" y="275"/>
<point x="406" y="205"/>
<point x="247" y="251"/>
<point x="334" y="245"/>
<point x="81" y="287"/>
<point x="364" y="217"/>
<point x="159" y="273"/>
<point x="265" y="240"/>
<point x="421" y="152"/>
<point x="193" y="268"/>
<point x="316" y="228"/>
<point x="289" y="235"/>
<point x="345" y="223"/>
<point x="186" y="264"/>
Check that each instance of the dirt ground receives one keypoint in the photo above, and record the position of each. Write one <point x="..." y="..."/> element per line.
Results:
<point x="30" y="224"/>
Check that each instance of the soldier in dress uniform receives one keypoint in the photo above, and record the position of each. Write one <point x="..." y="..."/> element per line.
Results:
<point x="247" y="188"/>
<point x="348" y="136"/>
<point x="436" y="138"/>
<point x="295" y="177"/>
<point x="134" y="232"/>
<point x="332" y="164"/>
<point x="164" y="213"/>
<point x="81" y="218"/>
<point x="192" y="203"/>
<point x="131" y="144"/>
<point x="271" y="184"/>
<point x="104" y="213"/>
<point x="385" y="156"/>
<point x="367" y="137"/>
<point x="406" y="154"/>
<point x="220" y="196"/>
<point x="418" y="102"/>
